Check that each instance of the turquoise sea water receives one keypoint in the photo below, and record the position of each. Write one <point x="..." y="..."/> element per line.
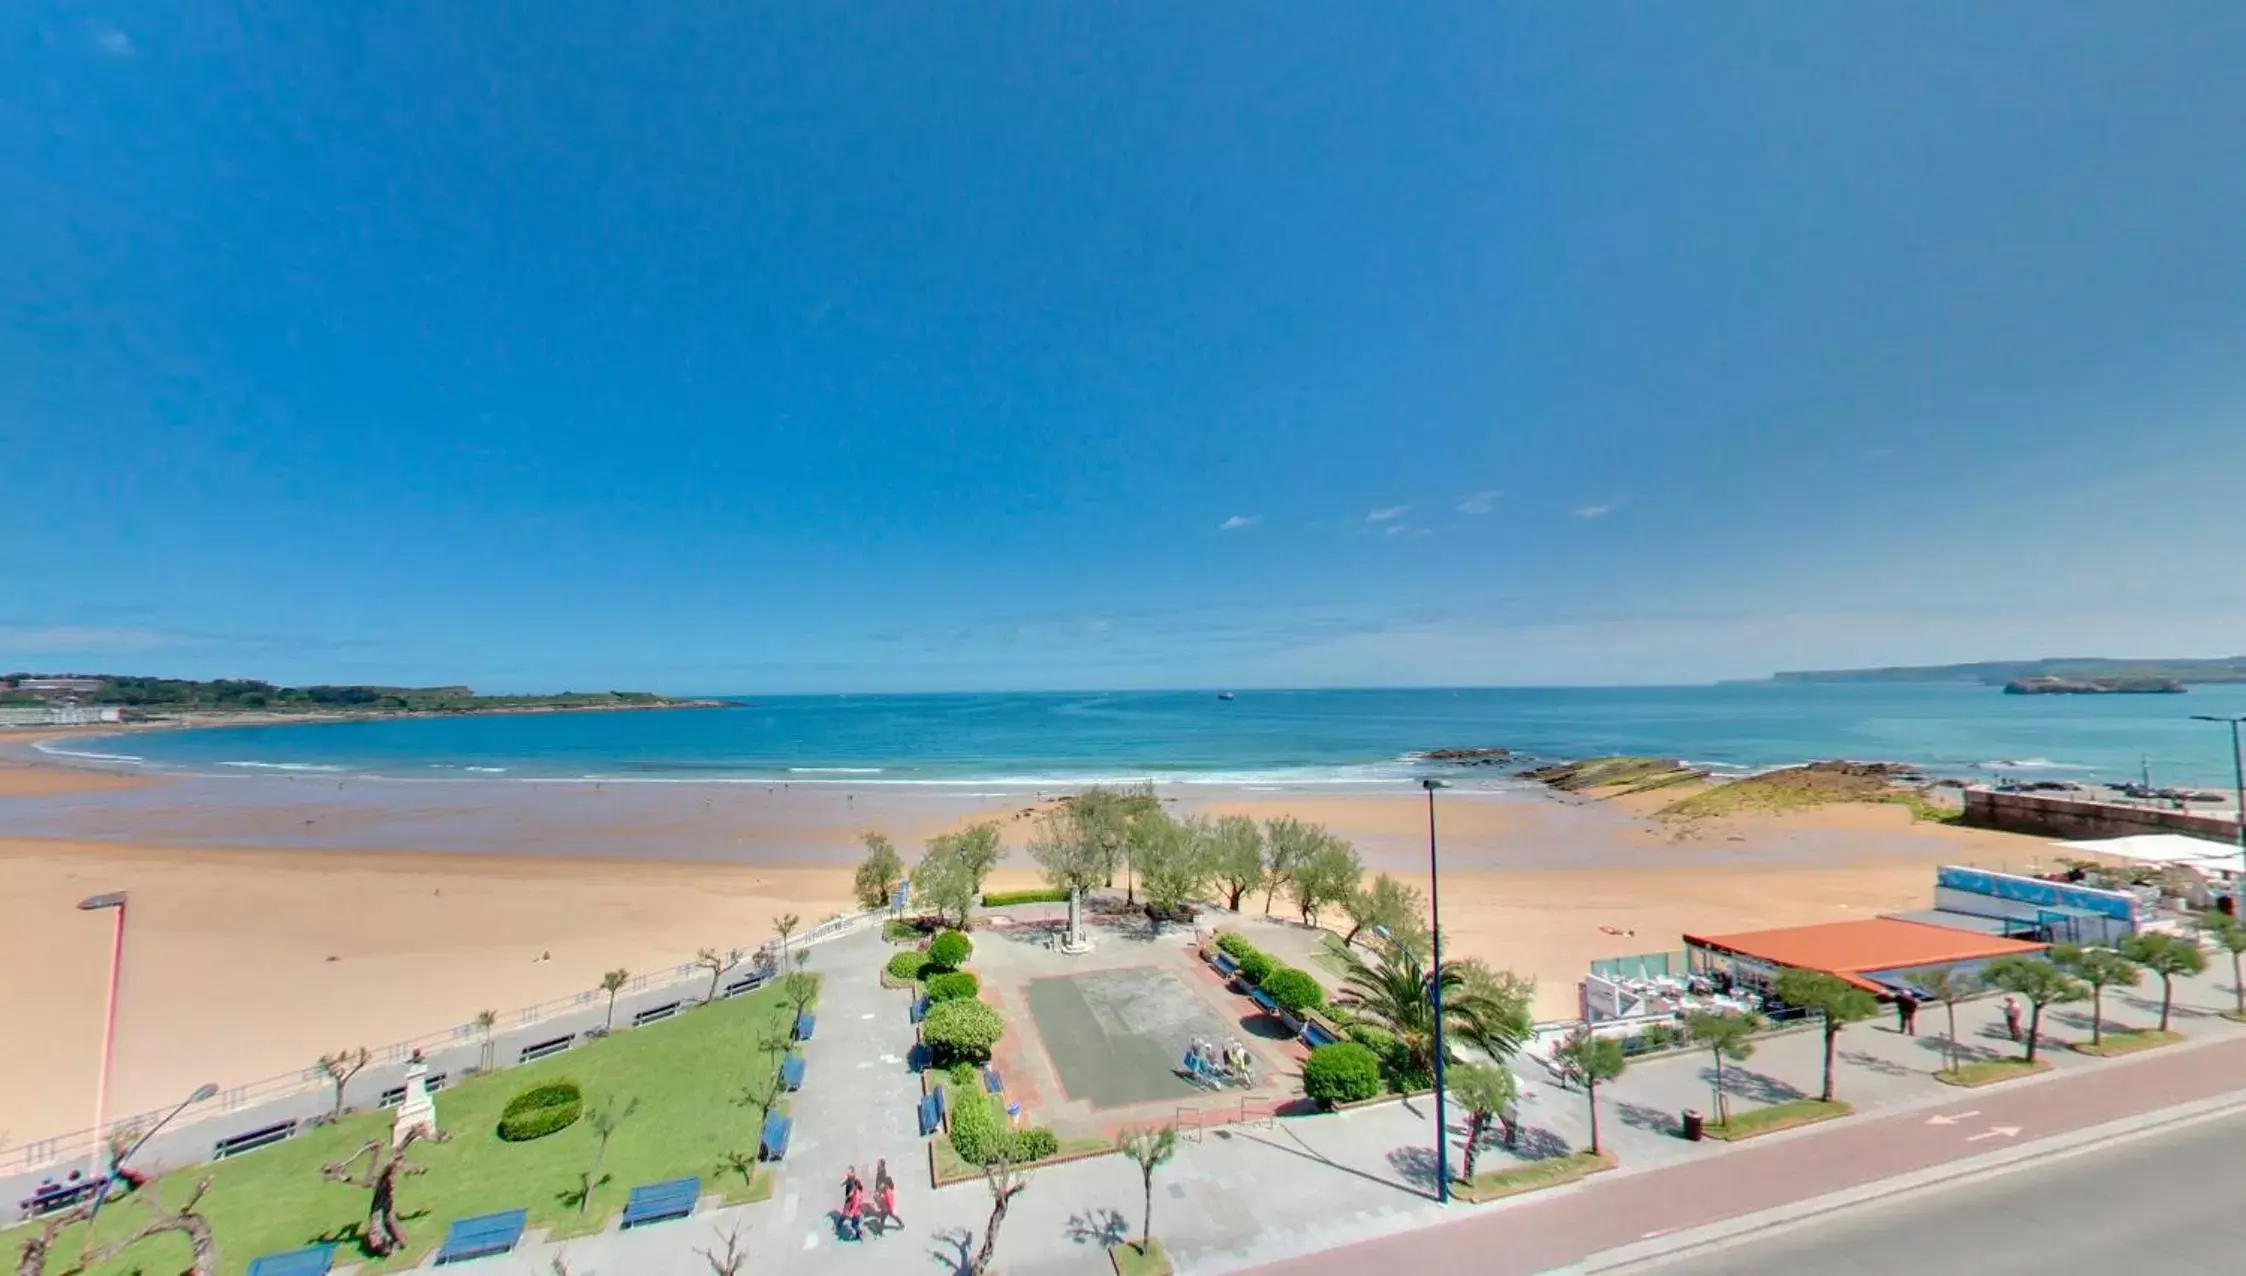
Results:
<point x="1261" y="737"/>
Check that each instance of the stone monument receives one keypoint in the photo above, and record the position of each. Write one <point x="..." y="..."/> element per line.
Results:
<point x="419" y="1111"/>
<point x="1075" y="941"/>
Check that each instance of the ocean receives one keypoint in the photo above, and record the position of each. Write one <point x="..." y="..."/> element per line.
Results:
<point x="1275" y="738"/>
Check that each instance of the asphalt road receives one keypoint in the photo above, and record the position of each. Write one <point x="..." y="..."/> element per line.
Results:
<point x="2170" y="1203"/>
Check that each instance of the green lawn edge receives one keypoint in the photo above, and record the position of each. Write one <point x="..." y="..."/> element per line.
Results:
<point x="1534" y="1177"/>
<point x="1776" y="1117"/>
<point x="1973" y="1076"/>
<point x="687" y="1071"/>
<point x="2128" y="1041"/>
<point x="1129" y="1261"/>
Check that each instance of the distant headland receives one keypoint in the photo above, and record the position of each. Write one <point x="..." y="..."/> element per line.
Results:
<point x="242" y="701"/>
<point x="2056" y="675"/>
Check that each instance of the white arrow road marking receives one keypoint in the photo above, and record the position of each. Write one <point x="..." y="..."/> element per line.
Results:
<point x="1994" y="1132"/>
<point x="1951" y="1119"/>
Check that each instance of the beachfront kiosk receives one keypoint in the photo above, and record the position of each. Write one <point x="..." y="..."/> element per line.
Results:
<point x="1877" y="954"/>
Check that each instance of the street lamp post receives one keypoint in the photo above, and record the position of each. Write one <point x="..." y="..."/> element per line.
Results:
<point x="1435" y="908"/>
<point x="94" y="904"/>
<point x="2238" y="775"/>
<point x="116" y="1166"/>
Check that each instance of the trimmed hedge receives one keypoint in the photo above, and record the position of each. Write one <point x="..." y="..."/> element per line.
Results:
<point x="1035" y="1144"/>
<point x="950" y="950"/>
<point x="1256" y="967"/>
<point x="960" y="1031"/>
<point x="541" y="1110"/>
<point x="1000" y="899"/>
<point x="978" y="1129"/>
<point x="1344" y="1072"/>
<point x="1233" y="946"/>
<point x="953" y="985"/>
<point x="1294" y="990"/>
<point x="907" y="964"/>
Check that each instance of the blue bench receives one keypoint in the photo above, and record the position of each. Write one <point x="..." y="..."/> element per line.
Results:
<point x="777" y="1128"/>
<point x="299" y="1262"/>
<point x="658" y="1202"/>
<point x="546" y="1049"/>
<point x="482" y="1236"/>
<point x="919" y="1009"/>
<point x="1223" y="962"/>
<point x="1315" y="1035"/>
<point x="931" y="1113"/>
<point x="1263" y="999"/>
<point x="251" y="1140"/>
<point x="992" y="1082"/>
<point x="791" y="1072"/>
<point x="804" y="1023"/>
<point x="654" y="1014"/>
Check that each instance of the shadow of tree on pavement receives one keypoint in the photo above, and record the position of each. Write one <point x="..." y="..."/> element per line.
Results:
<point x="1644" y="1116"/>
<point x="1100" y="1226"/>
<point x="1753" y="1086"/>
<point x="1875" y="1063"/>
<point x="954" y="1254"/>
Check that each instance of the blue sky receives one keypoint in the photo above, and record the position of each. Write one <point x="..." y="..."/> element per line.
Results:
<point x="720" y="346"/>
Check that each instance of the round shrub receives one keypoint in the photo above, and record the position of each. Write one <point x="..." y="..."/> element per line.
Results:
<point x="960" y="1031"/>
<point x="907" y="964"/>
<point x="1294" y="990"/>
<point x="975" y="1130"/>
<point x="954" y="985"/>
<point x="540" y="1111"/>
<point x="1256" y="967"/>
<point x="1035" y="1144"/>
<point x="1233" y="946"/>
<point x="1344" y="1072"/>
<point x="950" y="950"/>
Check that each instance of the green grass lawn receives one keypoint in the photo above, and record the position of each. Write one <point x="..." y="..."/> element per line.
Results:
<point x="1991" y="1071"/>
<point x="1130" y="1262"/>
<point x="1550" y="1172"/>
<point x="2128" y="1041"/>
<point x="685" y="1073"/>
<point x="1776" y="1117"/>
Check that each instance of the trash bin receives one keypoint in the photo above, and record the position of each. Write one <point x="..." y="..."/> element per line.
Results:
<point x="1693" y="1127"/>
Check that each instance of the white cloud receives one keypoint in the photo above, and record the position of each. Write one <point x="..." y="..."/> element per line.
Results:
<point x="1238" y="521"/>
<point x="1479" y="502"/>
<point x="1405" y="529"/>
<point x="1385" y="515"/>
<point x="110" y="42"/>
<point x="1600" y="510"/>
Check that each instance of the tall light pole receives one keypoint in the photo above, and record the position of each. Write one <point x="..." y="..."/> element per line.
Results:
<point x="94" y="904"/>
<point x="2238" y="774"/>
<point x="1435" y="907"/>
<point x="115" y="1170"/>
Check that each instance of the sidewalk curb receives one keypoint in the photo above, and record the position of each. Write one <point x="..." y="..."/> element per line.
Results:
<point x="1647" y="1254"/>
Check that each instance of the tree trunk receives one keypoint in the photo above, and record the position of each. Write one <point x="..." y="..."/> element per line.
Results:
<point x="1270" y="890"/>
<point x="1146" y="1234"/>
<point x="385" y="1235"/>
<point x="1832" y="1035"/>
<point x="2035" y="1026"/>
<point x="1951" y="1006"/>
<point x="611" y="1024"/>
<point x="1591" y="1089"/>
<point x="1477" y="1124"/>
<point x="983" y="1252"/>
<point x="1351" y="937"/>
<point x="1723" y="1109"/>
<point x="2167" y="995"/>
<point x="2238" y="982"/>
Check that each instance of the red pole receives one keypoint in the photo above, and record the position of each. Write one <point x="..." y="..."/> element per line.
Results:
<point x="108" y="1045"/>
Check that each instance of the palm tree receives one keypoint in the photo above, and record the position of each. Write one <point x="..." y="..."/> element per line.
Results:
<point x="1149" y="1149"/>
<point x="486" y="1020"/>
<point x="1591" y="1060"/>
<point x="1484" y="1092"/>
<point x="2101" y="968"/>
<point x="2166" y="956"/>
<point x="613" y="983"/>
<point x="1948" y="985"/>
<point x="2229" y="935"/>
<point x="1726" y="1037"/>
<point x="1398" y="995"/>
<point x="784" y="925"/>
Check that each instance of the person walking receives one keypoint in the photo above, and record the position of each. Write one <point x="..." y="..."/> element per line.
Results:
<point x="885" y="1197"/>
<point x="853" y="1204"/>
<point x="2012" y="1018"/>
<point x="1906" y="1015"/>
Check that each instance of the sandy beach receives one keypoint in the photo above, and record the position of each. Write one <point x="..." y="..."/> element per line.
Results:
<point x="275" y="921"/>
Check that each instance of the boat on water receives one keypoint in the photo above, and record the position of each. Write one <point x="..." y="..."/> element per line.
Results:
<point x="1224" y="695"/>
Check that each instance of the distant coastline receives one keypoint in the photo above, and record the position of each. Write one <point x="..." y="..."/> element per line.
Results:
<point x="2131" y="675"/>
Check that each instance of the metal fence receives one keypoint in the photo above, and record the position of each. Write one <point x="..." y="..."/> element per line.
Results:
<point x="80" y="1144"/>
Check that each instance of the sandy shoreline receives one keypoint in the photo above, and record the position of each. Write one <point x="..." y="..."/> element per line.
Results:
<point x="243" y="892"/>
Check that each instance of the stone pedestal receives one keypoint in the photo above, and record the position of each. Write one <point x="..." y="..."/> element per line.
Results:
<point x="1074" y="939"/>
<point x="419" y="1111"/>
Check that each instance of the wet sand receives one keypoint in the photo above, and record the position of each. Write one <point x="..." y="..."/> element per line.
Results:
<point x="274" y="920"/>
